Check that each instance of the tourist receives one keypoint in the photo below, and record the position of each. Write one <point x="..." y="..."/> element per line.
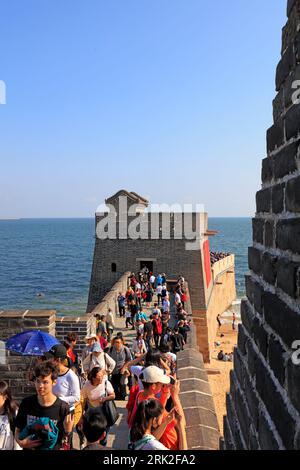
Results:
<point x="121" y="304"/>
<point x="220" y="355"/>
<point x="8" y="413"/>
<point x="120" y="354"/>
<point x="70" y="343"/>
<point x="66" y="386"/>
<point x="156" y="310"/>
<point x="183" y="298"/>
<point x="149" y="295"/>
<point x="157" y="329"/>
<point x="148" y="417"/>
<point x="164" y="292"/>
<point x="95" y="392"/>
<point x="128" y="319"/>
<point x="138" y="346"/>
<point x="177" y="341"/>
<point x="218" y="320"/>
<point x="110" y="324"/>
<point x="157" y="384"/>
<point x="102" y="326"/>
<point x="158" y="280"/>
<point x="166" y="304"/>
<point x="158" y="293"/>
<point x="148" y="333"/>
<point x="102" y="341"/>
<point x="152" y="281"/>
<point x="98" y="358"/>
<point x="43" y="405"/>
<point x="90" y="340"/>
<point x="133" y="311"/>
<point x="169" y="357"/>
<point x="233" y="320"/>
<point x="177" y="298"/>
<point x="94" y="425"/>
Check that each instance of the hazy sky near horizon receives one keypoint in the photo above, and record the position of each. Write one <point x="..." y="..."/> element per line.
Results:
<point x="168" y="98"/>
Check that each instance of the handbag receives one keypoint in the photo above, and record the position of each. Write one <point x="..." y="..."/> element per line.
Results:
<point x="110" y="410"/>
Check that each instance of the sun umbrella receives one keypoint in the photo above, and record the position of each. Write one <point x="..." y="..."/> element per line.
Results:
<point x="31" y="343"/>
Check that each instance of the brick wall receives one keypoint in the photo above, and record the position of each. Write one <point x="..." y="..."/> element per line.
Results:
<point x="263" y="405"/>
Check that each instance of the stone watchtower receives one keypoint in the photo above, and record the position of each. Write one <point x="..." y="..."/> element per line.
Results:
<point x="164" y="243"/>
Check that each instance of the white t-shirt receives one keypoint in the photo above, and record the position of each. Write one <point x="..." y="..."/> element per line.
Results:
<point x="152" y="279"/>
<point x="67" y="387"/>
<point x="166" y="305"/>
<point x="158" y="290"/>
<point x="94" y="392"/>
<point x="177" y="297"/>
<point x="148" y="442"/>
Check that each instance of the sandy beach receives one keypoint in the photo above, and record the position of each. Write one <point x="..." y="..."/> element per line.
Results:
<point x="218" y="371"/>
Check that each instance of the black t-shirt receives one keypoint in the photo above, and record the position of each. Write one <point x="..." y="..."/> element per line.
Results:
<point x="30" y="410"/>
<point x="148" y="328"/>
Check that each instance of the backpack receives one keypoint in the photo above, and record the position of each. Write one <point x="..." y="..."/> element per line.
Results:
<point x="157" y="326"/>
<point x="44" y="429"/>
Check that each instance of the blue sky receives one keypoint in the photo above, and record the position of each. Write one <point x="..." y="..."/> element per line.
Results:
<point x="168" y="98"/>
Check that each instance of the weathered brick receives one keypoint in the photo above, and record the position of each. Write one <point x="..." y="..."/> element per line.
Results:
<point x="269" y="267"/>
<point x="258" y="230"/>
<point x="252" y="399"/>
<point x="254" y="293"/>
<point x="269" y="238"/>
<point x="247" y="315"/>
<point x="266" y="436"/>
<point x="260" y="335"/>
<point x="267" y="170"/>
<point x="291" y="88"/>
<point x="292" y="195"/>
<point x="275" y="136"/>
<point x="277" y="358"/>
<point x="284" y="162"/>
<point x="288" y="235"/>
<point x="292" y="121"/>
<point x="278" y="198"/>
<point x="277" y="408"/>
<point x="287" y="276"/>
<point x="278" y="105"/>
<point x="242" y="339"/>
<point x="254" y="259"/>
<point x="263" y="200"/>
<point x="284" y="67"/>
<point x="283" y="320"/>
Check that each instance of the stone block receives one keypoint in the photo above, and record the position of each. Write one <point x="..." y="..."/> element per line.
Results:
<point x="284" y="67"/>
<point x="263" y="200"/>
<point x="275" y="136"/>
<point x="278" y="105"/>
<point x="254" y="292"/>
<point x="267" y="170"/>
<point x="284" y="162"/>
<point x="283" y="320"/>
<point x="242" y="339"/>
<point x="277" y="358"/>
<point x="258" y="230"/>
<point x="278" y="198"/>
<point x="269" y="265"/>
<point x="288" y="235"/>
<point x="287" y="275"/>
<point x="269" y="238"/>
<point x="292" y="195"/>
<point x="292" y="121"/>
<point x="254" y="259"/>
<point x="267" y="440"/>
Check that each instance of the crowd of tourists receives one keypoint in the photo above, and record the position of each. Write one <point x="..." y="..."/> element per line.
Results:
<point x="76" y="393"/>
<point x="217" y="256"/>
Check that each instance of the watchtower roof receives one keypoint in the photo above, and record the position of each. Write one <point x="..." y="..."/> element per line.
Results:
<point x="132" y="196"/>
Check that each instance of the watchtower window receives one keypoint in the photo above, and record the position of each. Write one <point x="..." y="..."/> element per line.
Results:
<point x="113" y="267"/>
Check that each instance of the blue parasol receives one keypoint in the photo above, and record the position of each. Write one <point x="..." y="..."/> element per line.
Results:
<point x="31" y="343"/>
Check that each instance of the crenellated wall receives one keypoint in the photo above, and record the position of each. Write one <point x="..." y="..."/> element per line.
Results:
<point x="263" y="407"/>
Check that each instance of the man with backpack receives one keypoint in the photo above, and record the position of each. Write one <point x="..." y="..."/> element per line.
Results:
<point x="120" y="354"/>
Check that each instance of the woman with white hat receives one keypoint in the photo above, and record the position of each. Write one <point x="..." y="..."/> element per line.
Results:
<point x="98" y="358"/>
